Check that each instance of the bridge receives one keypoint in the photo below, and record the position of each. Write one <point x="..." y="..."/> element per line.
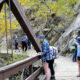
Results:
<point x="9" y="70"/>
<point x="62" y="71"/>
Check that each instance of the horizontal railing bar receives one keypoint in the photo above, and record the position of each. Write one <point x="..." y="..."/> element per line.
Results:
<point x="18" y="63"/>
<point x="9" y="70"/>
<point x="35" y="74"/>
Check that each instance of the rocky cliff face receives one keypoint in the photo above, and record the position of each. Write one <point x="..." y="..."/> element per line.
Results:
<point x="67" y="37"/>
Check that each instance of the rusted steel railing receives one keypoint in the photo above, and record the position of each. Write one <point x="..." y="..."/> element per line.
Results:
<point x="9" y="70"/>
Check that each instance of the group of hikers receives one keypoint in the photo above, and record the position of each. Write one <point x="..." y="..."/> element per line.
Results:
<point x="48" y="51"/>
<point x="24" y="42"/>
<point x="76" y="52"/>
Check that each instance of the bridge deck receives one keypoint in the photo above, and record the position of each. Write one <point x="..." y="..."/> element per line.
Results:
<point x="65" y="69"/>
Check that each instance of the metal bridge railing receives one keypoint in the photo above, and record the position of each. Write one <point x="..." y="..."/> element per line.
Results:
<point x="9" y="70"/>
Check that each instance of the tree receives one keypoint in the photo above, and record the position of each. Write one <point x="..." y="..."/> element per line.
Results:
<point x="2" y="23"/>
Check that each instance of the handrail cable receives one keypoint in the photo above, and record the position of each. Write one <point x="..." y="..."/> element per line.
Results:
<point x="11" y="29"/>
<point x="6" y="33"/>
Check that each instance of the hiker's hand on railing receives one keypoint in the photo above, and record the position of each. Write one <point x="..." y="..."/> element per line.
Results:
<point x="39" y="53"/>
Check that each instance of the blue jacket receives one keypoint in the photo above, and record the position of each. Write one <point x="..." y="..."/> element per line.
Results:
<point x="46" y="51"/>
<point x="78" y="50"/>
<point x="23" y="38"/>
<point x="16" y="40"/>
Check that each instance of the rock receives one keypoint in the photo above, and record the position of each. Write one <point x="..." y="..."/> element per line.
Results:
<point x="65" y="40"/>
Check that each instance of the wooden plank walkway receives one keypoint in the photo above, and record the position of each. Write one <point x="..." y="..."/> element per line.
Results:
<point x="65" y="69"/>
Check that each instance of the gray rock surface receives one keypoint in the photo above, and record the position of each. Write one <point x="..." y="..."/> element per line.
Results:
<point x="65" y="40"/>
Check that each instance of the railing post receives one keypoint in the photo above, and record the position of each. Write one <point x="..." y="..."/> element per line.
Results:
<point x="30" y="69"/>
<point x="22" y="75"/>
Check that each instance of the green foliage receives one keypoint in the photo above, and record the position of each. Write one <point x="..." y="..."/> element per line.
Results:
<point x="16" y="57"/>
<point x="60" y="7"/>
<point x="60" y="25"/>
<point x="2" y="22"/>
<point x="43" y="9"/>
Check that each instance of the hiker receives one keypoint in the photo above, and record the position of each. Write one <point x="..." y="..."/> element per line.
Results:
<point x="78" y="54"/>
<point x="74" y="50"/>
<point x="45" y="56"/>
<point x="29" y="44"/>
<point x="53" y="54"/>
<point x="24" y="43"/>
<point x="16" y="43"/>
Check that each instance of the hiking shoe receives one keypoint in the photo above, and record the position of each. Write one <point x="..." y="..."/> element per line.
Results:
<point x="53" y="78"/>
<point x="78" y="75"/>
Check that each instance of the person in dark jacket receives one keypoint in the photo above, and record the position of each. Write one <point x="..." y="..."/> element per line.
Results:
<point x="16" y="43"/>
<point x="24" y="43"/>
<point x="29" y="44"/>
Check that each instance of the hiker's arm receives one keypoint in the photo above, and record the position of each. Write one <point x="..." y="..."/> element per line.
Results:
<point x="44" y="49"/>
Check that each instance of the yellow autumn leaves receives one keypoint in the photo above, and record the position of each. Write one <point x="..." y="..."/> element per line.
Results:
<point x="2" y="22"/>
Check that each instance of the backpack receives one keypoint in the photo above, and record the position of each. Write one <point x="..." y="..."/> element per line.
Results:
<point x="73" y="44"/>
<point x="53" y="51"/>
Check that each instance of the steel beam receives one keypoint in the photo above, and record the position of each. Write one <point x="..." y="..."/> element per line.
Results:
<point x="23" y="21"/>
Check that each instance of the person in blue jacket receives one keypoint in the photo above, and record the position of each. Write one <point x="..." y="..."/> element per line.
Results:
<point x="46" y="57"/>
<point x="16" y="43"/>
<point x="24" y="43"/>
<point x="78" y="54"/>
